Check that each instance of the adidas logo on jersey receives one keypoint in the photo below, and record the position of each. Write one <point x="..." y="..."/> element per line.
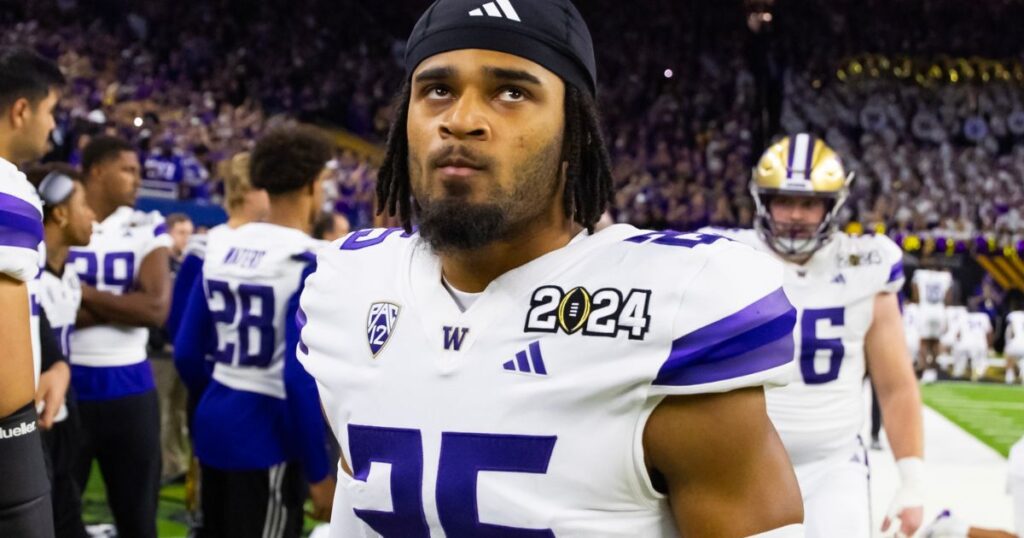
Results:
<point x="529" y="361"/>
<point x="839" y="279"/>
<point x="506" y="11"/>
<point x="24" y="428"/>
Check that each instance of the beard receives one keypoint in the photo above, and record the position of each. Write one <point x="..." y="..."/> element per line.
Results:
<point x="450" y="223"/>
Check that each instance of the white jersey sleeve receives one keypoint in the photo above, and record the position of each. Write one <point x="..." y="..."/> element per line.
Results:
<point x="21" y="225"/>
<point x="734" y="326"/>
<point x="160" y="238"/>
<point x="892" y="264"/>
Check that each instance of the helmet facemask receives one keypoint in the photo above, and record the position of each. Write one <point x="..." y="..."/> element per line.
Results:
<point x="796" y="242"/>
<point x="800" y="166"/>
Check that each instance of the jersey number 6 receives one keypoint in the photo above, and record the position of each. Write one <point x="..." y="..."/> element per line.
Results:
<point x="810" y="344"/>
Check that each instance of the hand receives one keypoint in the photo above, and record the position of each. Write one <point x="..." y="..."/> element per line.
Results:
<point x="910" y="518"/>
<point x="53" y="387"/>
<point x="322" y="495"/>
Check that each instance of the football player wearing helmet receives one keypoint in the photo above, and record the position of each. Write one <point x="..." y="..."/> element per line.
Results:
<point x="850" y="326"/>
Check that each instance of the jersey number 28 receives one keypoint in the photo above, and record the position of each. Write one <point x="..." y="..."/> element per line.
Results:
<point x="249" y="310"/>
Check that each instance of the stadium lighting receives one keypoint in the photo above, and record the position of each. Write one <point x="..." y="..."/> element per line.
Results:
<point x="668" y="73"/>
<point x="137" y="122"/>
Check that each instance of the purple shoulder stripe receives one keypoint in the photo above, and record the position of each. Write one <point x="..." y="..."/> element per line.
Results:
<point x="160" y="229"/>
<point x="21" y="224"/>
<point x="756" y="338"/>
<point x="896" y="272"/>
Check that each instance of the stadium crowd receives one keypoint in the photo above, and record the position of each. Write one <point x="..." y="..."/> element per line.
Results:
<point x="192" y="87"/>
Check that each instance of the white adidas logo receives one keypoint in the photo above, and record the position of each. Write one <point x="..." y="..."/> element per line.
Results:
<point x="491" y="10"/>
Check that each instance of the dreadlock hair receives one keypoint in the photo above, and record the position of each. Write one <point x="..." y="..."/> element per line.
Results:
<point x="588" y="181"/>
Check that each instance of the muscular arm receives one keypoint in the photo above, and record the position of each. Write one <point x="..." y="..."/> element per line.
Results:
<point x="146" y="306"/>
<point x="724" y="466"/>
<point x="16" y="383"/>
<point x="893" y="376"/>
<point x="900" y="400"/>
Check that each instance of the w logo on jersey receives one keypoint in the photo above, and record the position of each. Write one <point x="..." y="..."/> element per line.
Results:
<point x="380" y="324"/>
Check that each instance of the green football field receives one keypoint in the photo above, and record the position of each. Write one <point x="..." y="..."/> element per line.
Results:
<point x="993" y="413"/>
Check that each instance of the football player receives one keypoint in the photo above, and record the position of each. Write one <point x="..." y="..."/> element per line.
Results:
<point x="507" y="372"/>
<point x="932" y="291"/>
<point x="30" y="88"/>
<point x="67" y="221"/>
<point x="125" y="277"/>
<point x="973" y="342"/>
<point x="1014" y="349"/>
<point x="258" y="430"/>
<point x="243" y="204"/>
<point x="846" y="289"/>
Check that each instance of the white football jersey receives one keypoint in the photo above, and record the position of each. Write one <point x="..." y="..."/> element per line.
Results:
<point x="21" y="241"/>
<point x="61" y="296"/>
<point x="956" y="317"/>
<point x="974" y="330"/>
<point x="911" y="322"/>
<point x="932" y="287"/>
<point x="524" y="414"/>
<point x="822" y="411"/>
<point x="1015" y="326"/>
<point x="111" y="263"/>
<point x="198" y="243"/>
<point x="249" y="276"/>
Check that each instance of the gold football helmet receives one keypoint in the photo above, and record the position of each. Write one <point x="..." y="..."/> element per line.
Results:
<point x="799" y="165"/>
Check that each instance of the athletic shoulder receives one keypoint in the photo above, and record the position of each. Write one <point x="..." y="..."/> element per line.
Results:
<point x="733" y="324"/>
<point x="878" y="254"/>
<point x="363" y="249"/>
<point x="747" y="236"/>
<point x="21" y="224"/>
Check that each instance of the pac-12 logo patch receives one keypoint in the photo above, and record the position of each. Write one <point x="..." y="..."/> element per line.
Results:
<point x="380" y="323"/>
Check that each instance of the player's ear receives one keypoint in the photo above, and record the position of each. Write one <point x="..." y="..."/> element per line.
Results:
<point x="60" y="216"/>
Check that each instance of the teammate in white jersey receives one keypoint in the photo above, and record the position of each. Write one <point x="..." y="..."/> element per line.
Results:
<point x="846" y="290"/>
<point x="29" y="90"/>
<point x="974" y="338"/>
<point x="243" y="204"/>
<point x="911" y="329"/>
<point x="956" y="316"/>
<point x="259" y="420"/>
<point x="931" y="290"/>
<point x="505" y="372"/>
<point x="125" y="277"/>
<point x="67" y="221"/>
<point x="1014" y="349"/>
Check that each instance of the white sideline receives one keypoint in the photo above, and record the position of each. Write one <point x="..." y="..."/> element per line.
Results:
<point x="964" y="475"/>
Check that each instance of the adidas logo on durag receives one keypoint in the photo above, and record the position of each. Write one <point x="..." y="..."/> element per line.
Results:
<point x="506" y="10"/>
<point x="528" y="362"/>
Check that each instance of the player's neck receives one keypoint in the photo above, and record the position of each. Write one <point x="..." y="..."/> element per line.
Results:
<point x="7" y="151"/>
<point x="472" y="271"/>
<point x="56" y="255"/>
<point x="290" y="212"/>
<point x="102" y="206"/>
